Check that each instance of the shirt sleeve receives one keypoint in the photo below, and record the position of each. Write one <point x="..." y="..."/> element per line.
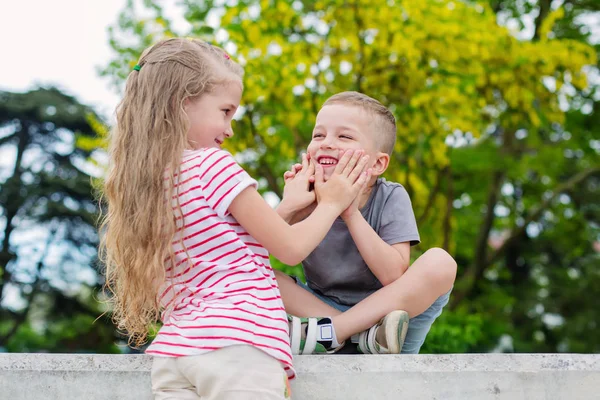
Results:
<point x="398" y="222"/>
<point x="222" y="179"/>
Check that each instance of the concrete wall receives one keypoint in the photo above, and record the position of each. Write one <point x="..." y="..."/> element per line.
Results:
<point x="332" y="377"/>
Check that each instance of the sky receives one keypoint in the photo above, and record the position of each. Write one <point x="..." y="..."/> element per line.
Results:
<point x="59" y="42"/>
<point x="64" y="43"/>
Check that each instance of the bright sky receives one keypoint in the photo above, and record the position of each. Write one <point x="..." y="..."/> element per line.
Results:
<point x="59" y="42"/>
<point x="64" y="42"/>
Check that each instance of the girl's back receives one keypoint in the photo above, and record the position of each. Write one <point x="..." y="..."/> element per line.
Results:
<point x="221" y="286"/>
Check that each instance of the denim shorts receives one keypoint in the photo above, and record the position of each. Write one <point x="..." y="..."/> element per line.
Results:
<point x="418" y="326"/>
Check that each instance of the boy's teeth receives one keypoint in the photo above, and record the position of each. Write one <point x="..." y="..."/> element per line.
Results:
<point x="328" y="162"/>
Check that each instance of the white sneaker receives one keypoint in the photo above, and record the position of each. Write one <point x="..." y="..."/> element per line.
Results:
<point x="395" y="326"/>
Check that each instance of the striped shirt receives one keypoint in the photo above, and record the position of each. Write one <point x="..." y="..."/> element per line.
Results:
<point x="221" y="290"/>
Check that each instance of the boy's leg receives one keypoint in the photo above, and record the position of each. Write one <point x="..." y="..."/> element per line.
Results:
<point x="299" y="301"/>
<point x="429" y="277"/>
<point x="419" y="326"/>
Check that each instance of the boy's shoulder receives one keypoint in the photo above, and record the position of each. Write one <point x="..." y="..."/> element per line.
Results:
<point x="389" y="197"/>
<point x="387" y="188"/>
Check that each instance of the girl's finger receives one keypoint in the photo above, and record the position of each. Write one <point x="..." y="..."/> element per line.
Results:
<point x="318" y="175"/>
<point x="304" y="162"/>
<point x="311" y="168"/>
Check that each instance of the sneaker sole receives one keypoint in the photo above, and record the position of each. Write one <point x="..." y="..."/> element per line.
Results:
<point x="396" y="326"/>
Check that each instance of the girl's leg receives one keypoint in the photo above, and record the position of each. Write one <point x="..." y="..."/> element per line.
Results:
<point x="429" y="277"/>
<point x="237" y="372"/>
<point x="168" y="383"/>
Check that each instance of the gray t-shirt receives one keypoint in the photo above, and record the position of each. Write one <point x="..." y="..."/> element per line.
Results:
<point x="336" y="269"/>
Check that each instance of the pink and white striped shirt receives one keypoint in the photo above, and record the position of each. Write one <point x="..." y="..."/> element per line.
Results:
<point x="222" y="292"/>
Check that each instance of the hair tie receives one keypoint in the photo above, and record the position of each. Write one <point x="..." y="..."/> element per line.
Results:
<point x="227" y="56"/>
<point x="137" y="67"/>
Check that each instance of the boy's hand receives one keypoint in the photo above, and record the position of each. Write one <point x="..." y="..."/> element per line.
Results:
<point x="347" y="181"/>
<point x="353" y="207"/>
<point x="296" y="192"/>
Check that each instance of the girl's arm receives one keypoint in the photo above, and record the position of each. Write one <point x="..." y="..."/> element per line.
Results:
<point x="292" y="244"/>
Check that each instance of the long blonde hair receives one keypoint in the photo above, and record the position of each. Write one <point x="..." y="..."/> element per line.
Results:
<point x="138" y="224"/>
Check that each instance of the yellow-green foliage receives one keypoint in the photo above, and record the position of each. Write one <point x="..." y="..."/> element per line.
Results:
<point x="443" y="67"/>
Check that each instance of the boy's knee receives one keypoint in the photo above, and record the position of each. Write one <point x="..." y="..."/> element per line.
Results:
<point x="444" y="265"/>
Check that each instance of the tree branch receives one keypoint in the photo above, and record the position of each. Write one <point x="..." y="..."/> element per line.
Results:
<point x="432" y="194"/>
<point x="534" y="215"/>
<point x="361" y="51"/>
<point x="544" y="10"/>
<point x="20" y="318"/>
<point x="488" y="221"/>
<point x="448" y="216"/>
<point x="13" y="205"/>
<point x="478" y="264"/>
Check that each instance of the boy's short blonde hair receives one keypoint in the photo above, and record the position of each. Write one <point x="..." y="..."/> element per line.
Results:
<point x="384" y="123"/>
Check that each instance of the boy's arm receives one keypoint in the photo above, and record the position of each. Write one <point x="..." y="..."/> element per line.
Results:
<point x="387" y="262"/>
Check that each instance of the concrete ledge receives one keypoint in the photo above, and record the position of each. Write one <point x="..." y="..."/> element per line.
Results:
<point x="442" y="377"/>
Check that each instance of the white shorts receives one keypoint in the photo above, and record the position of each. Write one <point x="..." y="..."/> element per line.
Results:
<point x="230" y="373"/>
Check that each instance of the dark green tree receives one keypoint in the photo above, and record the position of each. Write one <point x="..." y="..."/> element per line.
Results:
<point x="48" y="239"/>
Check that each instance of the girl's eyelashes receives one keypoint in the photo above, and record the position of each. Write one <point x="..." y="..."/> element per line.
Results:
<point x="317" y="135"/>
<point x="345" y="137"/>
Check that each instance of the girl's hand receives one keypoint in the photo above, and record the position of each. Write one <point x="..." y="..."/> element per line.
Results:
<point x="347" y="181"/>
<point x="297" y="195"/>
<point x="297" y="184"/>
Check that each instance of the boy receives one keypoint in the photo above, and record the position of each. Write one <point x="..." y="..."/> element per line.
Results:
<point x="360" y="270"/>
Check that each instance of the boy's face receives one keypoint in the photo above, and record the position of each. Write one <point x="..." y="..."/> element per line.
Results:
<point x="342" y="127"/>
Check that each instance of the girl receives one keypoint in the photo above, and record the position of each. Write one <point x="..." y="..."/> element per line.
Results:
<point x="186" y="235"/>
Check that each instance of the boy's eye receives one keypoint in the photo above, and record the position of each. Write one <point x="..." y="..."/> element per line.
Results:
<point x="317" y="135"/>
<point x="226" y="111"/>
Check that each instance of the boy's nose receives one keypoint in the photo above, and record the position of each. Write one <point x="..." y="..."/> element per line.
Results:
<point x="327" y="144"/>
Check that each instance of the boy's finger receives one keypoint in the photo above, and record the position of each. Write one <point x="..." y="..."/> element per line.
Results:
<point x="362" y="180"/>
<point x="343" y="160"/>
<point x="353" y="162"/>
<point x="361" y="165"/>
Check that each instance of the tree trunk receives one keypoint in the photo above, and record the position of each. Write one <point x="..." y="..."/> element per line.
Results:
<point x="12" y="205"/>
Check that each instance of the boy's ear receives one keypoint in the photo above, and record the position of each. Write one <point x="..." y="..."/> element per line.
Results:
<point x="381" y="163"/>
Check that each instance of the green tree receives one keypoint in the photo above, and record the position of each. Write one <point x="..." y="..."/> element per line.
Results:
<point x="494" y="130"/>
<point x="48" y="236"/>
